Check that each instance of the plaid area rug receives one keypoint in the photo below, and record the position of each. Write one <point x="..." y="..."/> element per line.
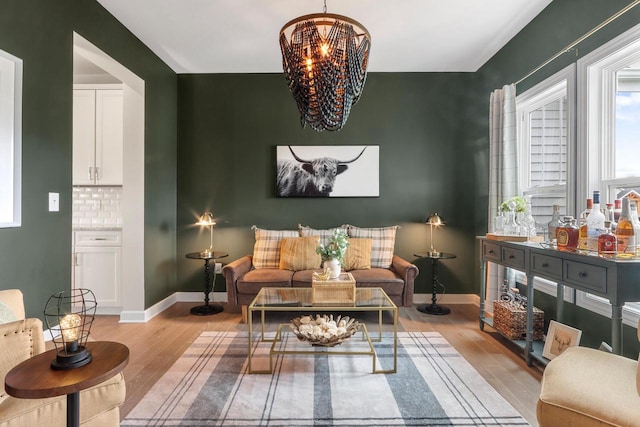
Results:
<point x="434" y="386"/>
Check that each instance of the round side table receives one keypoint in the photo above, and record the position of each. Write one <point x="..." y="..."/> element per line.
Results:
<point x="208" y="307"/>
<point x="434" y="308"/>
<point x="35" y="379"/>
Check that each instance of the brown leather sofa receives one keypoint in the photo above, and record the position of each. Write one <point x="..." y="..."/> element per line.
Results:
<point x="21" y="339"/>
<point x="288" y="259"/>
<point x="244" y="282"/>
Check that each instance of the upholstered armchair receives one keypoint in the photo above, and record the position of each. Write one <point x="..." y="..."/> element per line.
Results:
<point x="586" y="387"/>
<point x="21" y="339"/>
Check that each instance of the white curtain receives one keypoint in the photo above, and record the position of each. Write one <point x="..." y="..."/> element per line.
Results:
<point x="503" y="168"/>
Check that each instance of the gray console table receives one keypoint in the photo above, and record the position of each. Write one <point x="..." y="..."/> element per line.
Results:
<point x="613" y="279"/>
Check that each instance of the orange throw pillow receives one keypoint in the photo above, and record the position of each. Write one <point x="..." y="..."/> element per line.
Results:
<point x="299" y="253"/>
<point x="358" y="256"/>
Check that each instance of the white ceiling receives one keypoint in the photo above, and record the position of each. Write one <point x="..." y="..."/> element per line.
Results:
<point x="241" y="36"/>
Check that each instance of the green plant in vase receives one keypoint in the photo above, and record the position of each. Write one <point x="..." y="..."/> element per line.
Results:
<point x="333" y="252"/>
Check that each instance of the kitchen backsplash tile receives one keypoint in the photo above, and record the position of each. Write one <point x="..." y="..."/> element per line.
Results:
<point x="97" y="207"/>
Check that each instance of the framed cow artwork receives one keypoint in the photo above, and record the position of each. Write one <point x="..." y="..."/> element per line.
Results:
<point x="327" y="171"/>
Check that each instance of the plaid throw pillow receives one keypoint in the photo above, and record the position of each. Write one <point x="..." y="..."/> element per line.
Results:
<point x="382" y="245"/>
<point x="323" y="234"/>
<point x="266" y="251"/>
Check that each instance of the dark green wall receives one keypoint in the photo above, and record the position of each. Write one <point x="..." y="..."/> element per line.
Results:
<point x="561" y="23"/>
<point x="229" y="126"/>
<point x="36" y="257"/>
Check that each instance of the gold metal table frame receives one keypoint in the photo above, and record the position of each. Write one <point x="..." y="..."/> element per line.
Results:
<point x="299" y="300"/>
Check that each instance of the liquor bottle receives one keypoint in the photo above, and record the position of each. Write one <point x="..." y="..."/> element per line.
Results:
<point x="555" y="222"/>
<point x="625" y="231"/>
<point x="595" y="223"/>
<point x="607" y="242"/>
<point x="608" y="216"/>
<point x="582" y="237"/>
<point x="636" y="224"/>
<point x="617" y="208"/>
<point x="567" y="235"/>
<point x="528" y="221"/>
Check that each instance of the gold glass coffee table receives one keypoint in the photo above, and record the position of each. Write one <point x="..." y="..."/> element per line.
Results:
<point x="300" y="300"/>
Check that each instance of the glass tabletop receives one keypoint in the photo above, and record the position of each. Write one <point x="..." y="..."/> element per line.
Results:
<point x="279" y="298"/>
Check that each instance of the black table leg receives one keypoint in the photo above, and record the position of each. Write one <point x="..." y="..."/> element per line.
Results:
<point x="208" y="308"/>
<point x="434" y="308"/>
<point x="73" y="409"/>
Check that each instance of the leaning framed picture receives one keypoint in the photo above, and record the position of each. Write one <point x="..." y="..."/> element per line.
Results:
<point x="327" y="171"/>
<point x="559" y="338"/>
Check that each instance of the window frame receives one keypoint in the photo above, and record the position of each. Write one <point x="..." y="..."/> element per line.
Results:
<point x="541" y="94"/>
<point x="596" y="95"/>
<point x="11" y="139"/>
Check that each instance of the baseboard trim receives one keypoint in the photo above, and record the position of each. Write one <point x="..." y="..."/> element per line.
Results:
<point x="159" y="307"/>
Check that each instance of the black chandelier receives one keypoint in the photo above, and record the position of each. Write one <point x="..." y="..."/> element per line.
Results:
<point x="324" y="57"/>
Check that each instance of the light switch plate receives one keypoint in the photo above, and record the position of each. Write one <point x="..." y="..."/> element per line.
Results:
<point x="54" y="202"/>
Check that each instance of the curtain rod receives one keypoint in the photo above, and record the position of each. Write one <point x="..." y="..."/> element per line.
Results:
<point x="580" y="40"/>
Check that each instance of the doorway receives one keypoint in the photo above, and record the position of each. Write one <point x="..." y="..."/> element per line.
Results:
<point x="100" y="68"/>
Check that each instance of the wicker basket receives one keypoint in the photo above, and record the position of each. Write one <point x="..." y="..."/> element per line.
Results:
<point x="340" y="291"/>
<point x="510" y="319"/>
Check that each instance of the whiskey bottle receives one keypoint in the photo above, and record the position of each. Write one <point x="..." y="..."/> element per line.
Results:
<point x="625" y="231"/>
<point x="567" y="235"/>
<point x="617" y="208"/>
<point x="607" y="243"/>
<point x="582" y="236"/>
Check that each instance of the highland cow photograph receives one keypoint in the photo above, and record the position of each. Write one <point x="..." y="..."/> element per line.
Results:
<point x="327" y="171"/>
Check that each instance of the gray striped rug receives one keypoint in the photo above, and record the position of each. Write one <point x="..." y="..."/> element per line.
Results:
<point x="434" y="386"/>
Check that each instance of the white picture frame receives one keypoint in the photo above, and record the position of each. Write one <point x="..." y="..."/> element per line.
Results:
<point x="327" y="171"/>
<point x="559" y="338"/>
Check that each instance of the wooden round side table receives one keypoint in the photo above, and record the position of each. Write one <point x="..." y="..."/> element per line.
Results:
<point x="35" y="379"/>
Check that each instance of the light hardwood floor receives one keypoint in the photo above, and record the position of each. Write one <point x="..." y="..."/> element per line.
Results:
<point x="154" y="346"/>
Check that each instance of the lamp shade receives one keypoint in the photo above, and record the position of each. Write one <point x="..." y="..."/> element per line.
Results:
<point x="324" y="58"/>
<point x="435" y="220"/>
<point x="206" y="219"/>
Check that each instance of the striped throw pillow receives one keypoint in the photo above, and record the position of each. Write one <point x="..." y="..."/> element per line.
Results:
<point x="382" y="245"/>
<point x="299" y="253"/>
<point x="358" y="256"/>
<point x="266" y="250"/>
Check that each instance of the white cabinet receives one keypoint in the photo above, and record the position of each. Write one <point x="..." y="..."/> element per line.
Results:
<point x="97" y="136"/>
<point x="98" y="266"/>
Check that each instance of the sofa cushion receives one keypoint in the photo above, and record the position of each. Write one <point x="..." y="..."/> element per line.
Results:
<point x="299" y="253"/>
<point x="358" y="255"/>
<point x="266" y="251"/>
<point x="383" y="243"/>
<point x="254" y="280"/>
<point x="379" y="278"/>
<point x="324" y="234"/>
